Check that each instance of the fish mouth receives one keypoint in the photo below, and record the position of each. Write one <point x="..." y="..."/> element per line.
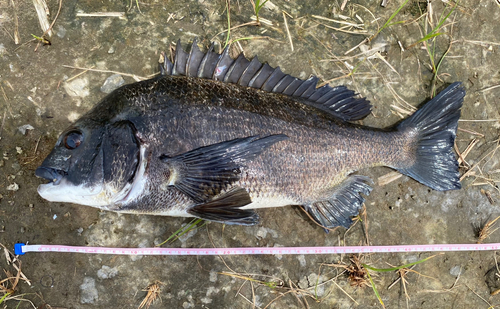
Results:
<point x="60" y="189"/>
<point x="53" y="175"/>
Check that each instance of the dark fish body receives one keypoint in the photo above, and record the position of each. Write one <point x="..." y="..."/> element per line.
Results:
<point x="212" y="148"/>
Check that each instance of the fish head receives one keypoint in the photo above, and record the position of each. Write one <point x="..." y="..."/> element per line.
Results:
<point x="92" y="163"/>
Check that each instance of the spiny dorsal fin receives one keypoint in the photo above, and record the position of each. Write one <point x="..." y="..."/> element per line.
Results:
<point x="338" y="101"/>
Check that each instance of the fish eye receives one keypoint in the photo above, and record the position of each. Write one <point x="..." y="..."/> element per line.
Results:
<point x="73" y="139"/>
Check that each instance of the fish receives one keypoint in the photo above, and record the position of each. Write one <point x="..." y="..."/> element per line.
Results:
<point x="216" y="138"/>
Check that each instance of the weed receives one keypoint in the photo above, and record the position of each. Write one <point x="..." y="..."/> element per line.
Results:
<point x="153" y="293"/>
<point x="257" y="5"/>
<point x="388" y="22"/>
<point x="398" y="268"/>
<point x="183" y="230"/>
<point x="486" y="230"/>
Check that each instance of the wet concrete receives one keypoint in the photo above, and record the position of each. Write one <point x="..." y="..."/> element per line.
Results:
<point x="37" y="91"/>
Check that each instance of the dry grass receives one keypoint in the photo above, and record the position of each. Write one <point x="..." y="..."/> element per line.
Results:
<point x="153" y="294"/>
<point x="486" y="230"/>
<point x="356" y="274"/>
<point x="9" y="285"/>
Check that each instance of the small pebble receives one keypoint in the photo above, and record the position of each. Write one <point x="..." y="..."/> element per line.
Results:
<point x="25" y="128"/>
<point x="455" y="270"/>
<point x="78" y="87"/>
<point x="61" y="31"/>
<point x="13" y="187"/>
<point x="107" y="272"/>
<point x="112" y="82"/>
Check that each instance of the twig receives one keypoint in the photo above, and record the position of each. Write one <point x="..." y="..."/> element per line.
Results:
<point x="339" y="21"/>
<point x="360" y="32"/>
<point x="488" y="88"/>
<point x="361" y="43"/>
<point x="16" y="23"/>
<point x="477" y="163"/>
<point x="120" y="15"/>
<point x="252" y="23"/>
<point x="471" y="132"/>
<point x="81" y="73"/>
<point x="478" y="120"/>
<point x="346" y="293"/>
<point x="108" y="71"/>
<point x="344" y="3"/>
<point x="467" y="150"/>
<point x="42" y="12"/>
<point x="287" y="30"/>
<point x="388" y="178"/>
<point x="3" y="122"/>
<point x="51" y="25"/>
<point x="482" y="43"/>
<point x="490" y="306"/>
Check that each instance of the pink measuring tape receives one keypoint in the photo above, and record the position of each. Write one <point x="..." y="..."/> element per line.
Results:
<point x="21" y="249"/>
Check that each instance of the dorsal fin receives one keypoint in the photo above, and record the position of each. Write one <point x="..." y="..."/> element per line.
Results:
<point x="338" y="101"/>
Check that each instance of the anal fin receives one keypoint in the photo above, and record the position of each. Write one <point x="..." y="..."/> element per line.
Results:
<point x="227" y="209"/>
<point x="343" y="203"/>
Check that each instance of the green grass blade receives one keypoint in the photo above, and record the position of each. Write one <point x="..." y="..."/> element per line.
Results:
<point x="429" y="36"/>
<point x="374" y="288"/>
<point x="257" y="8"/>
<point x="228" y="23"/>
<point x="441" y="21"/>
<point x="434" y="33"/>
<point x="259" y="5"/>
<point x="4" y="297"/>
<point x="19" y="303"/>
<point x="183" y="230"/>
<point x="398" y="267"/>
<point x="388" y="22"/>
<point x="433" y="91"/>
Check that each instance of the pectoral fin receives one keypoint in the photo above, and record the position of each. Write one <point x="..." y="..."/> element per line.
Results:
<point x="343" y="203"/>
<point x="204" y="172"/>
<point x="227" y="209"/>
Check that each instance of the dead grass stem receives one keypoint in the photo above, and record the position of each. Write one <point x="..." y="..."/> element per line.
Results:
<point x="135" y="77"/>
<point x="15" y="37"/>
<point x="287" y="30"/>
<point x="153" y="294"/>
<point x="9" y="284"/>
<point x="486" y="230"/>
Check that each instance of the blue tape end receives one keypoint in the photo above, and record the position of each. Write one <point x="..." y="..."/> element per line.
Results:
<point x="18" y="249"/>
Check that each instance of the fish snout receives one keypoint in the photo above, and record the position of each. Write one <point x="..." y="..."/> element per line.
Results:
<point x="51" y="174"/>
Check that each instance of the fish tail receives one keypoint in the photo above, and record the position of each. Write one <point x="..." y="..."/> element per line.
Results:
<point x="434" y="128"/>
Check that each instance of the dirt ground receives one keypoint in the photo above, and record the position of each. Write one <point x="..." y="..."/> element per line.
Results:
<point x="41" y="95"/>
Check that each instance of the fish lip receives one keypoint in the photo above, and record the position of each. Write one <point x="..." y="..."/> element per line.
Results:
<point x="53" y="175"/>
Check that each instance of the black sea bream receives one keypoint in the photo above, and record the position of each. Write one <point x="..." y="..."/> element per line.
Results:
<point x="214" y="137"/>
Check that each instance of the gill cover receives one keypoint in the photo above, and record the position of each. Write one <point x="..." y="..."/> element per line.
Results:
<point x="90" y="164"/>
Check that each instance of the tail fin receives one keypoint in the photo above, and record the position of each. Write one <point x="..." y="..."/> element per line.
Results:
<point x="436" y="124"/>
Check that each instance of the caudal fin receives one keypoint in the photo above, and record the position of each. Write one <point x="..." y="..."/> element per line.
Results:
<point x="435" y="125"/>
